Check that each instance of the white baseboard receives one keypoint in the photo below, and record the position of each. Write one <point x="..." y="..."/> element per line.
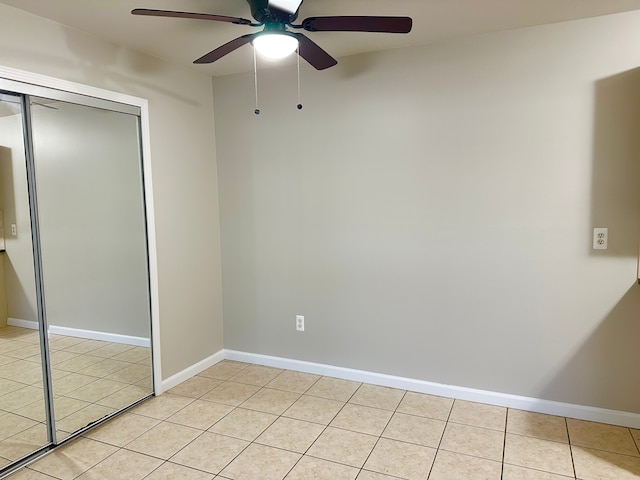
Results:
<point x="80" y="333"/>
<point x="17" y="322"/>
<point x="582" y="412"/>
<point x="104" y="336"/>
<point x="189" y="372"/>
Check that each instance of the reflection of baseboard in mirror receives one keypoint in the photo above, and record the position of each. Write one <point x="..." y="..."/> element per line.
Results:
<point x="2" y="244"/>
<point x="80" y="333"/>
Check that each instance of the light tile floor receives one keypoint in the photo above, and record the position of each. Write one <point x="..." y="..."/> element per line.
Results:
<point x="239" y="421"/>
<point x="91" y="379"/>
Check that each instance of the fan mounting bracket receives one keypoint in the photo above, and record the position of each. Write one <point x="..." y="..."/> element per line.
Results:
<point x="264" y="14"/>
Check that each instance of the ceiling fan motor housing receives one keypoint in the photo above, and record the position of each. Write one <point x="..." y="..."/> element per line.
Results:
<point x="263" y="13"/>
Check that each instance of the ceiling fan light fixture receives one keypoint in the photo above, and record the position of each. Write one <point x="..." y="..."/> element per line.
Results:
<point x="275" y="45"/>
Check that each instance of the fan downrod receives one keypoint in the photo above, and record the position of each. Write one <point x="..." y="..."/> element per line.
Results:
<point x="264" y="14"/>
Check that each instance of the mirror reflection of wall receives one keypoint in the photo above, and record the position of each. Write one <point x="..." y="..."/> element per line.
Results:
<point x="91" y="263"/>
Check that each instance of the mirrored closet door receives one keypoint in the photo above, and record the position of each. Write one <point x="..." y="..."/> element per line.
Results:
<point x="23" y="415"/>
<point x="85" y="272"/>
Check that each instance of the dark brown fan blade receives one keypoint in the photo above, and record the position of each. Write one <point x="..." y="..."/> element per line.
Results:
<point x="313" y="54"/>
<point x="228" y="47"/>
<point x="198" y="16"/>
<point x="358" y="24"/>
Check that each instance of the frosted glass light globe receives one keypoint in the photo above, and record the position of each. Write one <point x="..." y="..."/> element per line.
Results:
<point x="275" y="45"/>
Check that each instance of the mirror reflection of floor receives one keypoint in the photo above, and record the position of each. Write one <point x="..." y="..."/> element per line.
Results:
<point x="91" y="379"/>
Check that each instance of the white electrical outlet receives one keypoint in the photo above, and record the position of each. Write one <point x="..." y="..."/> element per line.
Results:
<point x="300" y="323"/>
<point x="14" y="230"/>
<point x="600" y="238"/>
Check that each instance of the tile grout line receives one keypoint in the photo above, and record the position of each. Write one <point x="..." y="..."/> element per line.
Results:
<point x="504" y="443"/>
<point x="637" y="442"/>
<point x="446" y="423"/>
<point x="326" y="427"/>
<point x="281" y="416"/>
<point x="573" y="464"/>
<point x="201" y="434"/>
<point x="381" y="433"/>
<point x="253" y="442"/>
<point x="234" y="408"/>
<point x="344" y="404"/>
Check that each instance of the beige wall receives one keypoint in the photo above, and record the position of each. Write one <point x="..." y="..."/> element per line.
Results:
<point x="3" y="293"/>
<point x="430" y="212"/>
<point x="183" y="162"/>
<point x="14" y="200"/>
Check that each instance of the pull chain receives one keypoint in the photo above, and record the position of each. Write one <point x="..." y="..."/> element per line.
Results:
<point x="299" y="101"/>
<point x="255" y="80"/>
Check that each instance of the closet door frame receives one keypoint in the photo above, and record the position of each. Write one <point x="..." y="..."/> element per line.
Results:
<point x="28" y="83"/>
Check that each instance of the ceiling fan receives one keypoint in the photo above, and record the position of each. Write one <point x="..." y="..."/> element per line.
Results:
<point x="276" y="40"/>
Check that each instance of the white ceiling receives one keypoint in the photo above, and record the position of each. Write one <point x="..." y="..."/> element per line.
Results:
<point x="184" y="40"/>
